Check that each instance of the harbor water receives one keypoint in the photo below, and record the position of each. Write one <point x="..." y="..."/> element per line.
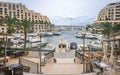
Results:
<point x="69" y="36"/>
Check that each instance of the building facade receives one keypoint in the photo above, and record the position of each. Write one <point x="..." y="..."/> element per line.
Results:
<point x="20" y="11"/>
<point x="110" y="13"/>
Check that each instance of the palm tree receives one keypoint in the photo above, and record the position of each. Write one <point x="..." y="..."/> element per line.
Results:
<point x="107" y="30"/>
<point x="26" y="27"/>
<point x="10" y="23"/>
<point x="1" y="24"/>
<point x="2" y="20"/>
<point x="31" y="26"/>
<point x="116" y="28"/>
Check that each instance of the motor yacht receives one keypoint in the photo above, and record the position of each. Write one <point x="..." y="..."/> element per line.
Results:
<point x="49" y="47"/>
<point x="62" y="46"/>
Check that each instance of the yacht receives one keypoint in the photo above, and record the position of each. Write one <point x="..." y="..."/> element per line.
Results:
<point x="49" y="33"/>
<point x="32" y="41"/>
<point x="95" y="44"/>
<point x="80" y="47"/>
<point x="62" y="46"/>
<point x="57" y="32"/>
<point x="49" y="47"/>
<point x="73" y="45"/>
<point x="91" y="36"/>
<point x="78" y="35"/>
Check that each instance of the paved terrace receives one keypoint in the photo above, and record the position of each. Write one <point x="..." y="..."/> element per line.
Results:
<point x="64" y="66"/>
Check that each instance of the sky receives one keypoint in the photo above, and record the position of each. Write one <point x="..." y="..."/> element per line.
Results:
<point x="67" y="12"/>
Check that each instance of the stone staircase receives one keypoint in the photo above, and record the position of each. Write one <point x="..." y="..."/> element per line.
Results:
<point x="70" y="54"/>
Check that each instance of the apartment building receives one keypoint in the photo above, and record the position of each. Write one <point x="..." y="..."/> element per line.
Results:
<point x="20" y="11"/>
<point x="110" y="13"/>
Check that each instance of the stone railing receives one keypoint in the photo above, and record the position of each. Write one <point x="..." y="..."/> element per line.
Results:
<point x="47" y="53"/>
<point x="34" y="67"/>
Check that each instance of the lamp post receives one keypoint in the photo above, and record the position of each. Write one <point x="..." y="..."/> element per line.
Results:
<point x="83" y="36"/>
<point x="90" y="48"/>
<point x="40" y="54"/>
<point x="5" y="50"/>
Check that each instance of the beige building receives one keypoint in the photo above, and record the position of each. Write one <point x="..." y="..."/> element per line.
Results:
<point x="21" y="12"/>
<point x="110" y="13"/>
<point x="43" y="27"/>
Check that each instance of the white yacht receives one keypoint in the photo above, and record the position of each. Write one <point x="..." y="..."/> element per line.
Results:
<point x="57" y="32"/>
<point x="32" y="41"/>
<point x="35" y="41"/>
<point x="49" y="47"/>
<point x="62" y="46"/>
<point x="80" y="47"/>
<point x="95" y="44"/>
<point x="91" y="36"/>
<point x="49" y="33"/>
<point x="78" y="35"/>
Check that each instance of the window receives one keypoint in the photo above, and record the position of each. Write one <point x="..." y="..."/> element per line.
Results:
<point x="117" y="9"/>
<point x="5" y="5"/>
<point x="9" y="6"/>
<point x="21" y="16"/>
<point x="0" y="4"/>
<point x="10" y="13"/>
<point x="21" y="11"/>
<point x="117" y="6"/>
<point x="28" y="14"/>
<point x="17" y="6"/>
<point x="13" y="6"/>
<point x="14" y="14"/>
<point x="117" y="12"/>
<point x="0" y="10"/>
<point x="117" y="15"/>
<point x="2" y="28"/>
<point x="5" y="11"/>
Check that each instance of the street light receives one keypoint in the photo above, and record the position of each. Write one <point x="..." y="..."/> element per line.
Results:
<point x="83" y="36"/>
<point x="40" y="54"/>
<point x="5" y="49"/>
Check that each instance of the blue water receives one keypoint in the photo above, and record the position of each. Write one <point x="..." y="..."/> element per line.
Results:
<point x="69" y="36"/>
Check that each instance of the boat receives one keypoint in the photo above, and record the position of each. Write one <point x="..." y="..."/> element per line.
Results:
<point x="49" y="47"/>
<point x="78" y="35"/>
<point x="35" y="41"/>
<point x="32" y="41"/>
<point x="49" y="34"/>
<point x="80" y="47"/>
<point x="57" y="32"/>
<point x="73" y="45"/>
<point x="97" y="44"/>
<point x="62" y="46"/>
<point x="91" y="36"/>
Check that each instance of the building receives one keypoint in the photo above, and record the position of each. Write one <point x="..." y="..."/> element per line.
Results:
<point x="20" y="11"/>
<point x="43" y="27"/>
<point x="110" y="13"/>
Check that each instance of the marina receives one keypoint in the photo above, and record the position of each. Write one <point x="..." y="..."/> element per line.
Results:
<point x="60" y="42"/>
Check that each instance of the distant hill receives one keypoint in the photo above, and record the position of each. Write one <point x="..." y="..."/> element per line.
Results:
<point x="77" y="21"/>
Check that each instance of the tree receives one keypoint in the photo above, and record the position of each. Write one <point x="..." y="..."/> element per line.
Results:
<point x="2" y="20"/>
<point x="116" y="28"/>
<point x="26" y="27"/>
<point x="107" y="30"/>
<point x="31" y="26"/>
<point x="10" y="23"/>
